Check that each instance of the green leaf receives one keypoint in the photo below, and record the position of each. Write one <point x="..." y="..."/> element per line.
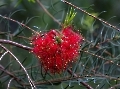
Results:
<point x="69" y="17"/>
<point x="33" y="1"/>
<point x="18" y="3"/>
<point x="88" y="22"/>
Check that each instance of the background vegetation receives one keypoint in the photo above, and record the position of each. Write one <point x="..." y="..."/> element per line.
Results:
<point x="98" y="64"/>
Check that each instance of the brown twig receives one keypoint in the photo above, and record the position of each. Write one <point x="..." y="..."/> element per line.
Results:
<point x="66" y="78"/>
<point x="98" y="47"/>
<point x="11" y="75"/>
<point x="19" y="23"/>
<point x="15" y="44"/>
<point x="24" y="37"/>
<point x="48" y="12"/>
<point x="83" y="83"/>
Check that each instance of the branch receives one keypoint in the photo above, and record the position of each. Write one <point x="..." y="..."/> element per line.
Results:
<point x="83" y="83"/>
<point x="59" y="80"/>
<point x="15" y="44"/>
<point x="19" y="23"/>
<point x="48" y="12"/>
<point x="11" y="75"/>
<point x="53" y="81"/>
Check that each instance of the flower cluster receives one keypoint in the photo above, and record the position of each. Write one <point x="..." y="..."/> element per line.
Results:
<point x="57" y="49"/>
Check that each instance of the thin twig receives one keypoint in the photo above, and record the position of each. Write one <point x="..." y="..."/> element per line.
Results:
<point x="98" y="47"/>
<point x="66" y="78"/>
<point x="29" y="79"/>
<point x="11" y="75"/>
<point x="83" y="83"/>
<point x="57" y="80"/>
<point x="48" y="12"/>
<point x="15" y="44"/>
<point x="27" y="38"/>
<point x="12" y="35"/>
<point x="19" y="23"/>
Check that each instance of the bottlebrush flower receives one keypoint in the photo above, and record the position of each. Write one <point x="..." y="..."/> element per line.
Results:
<point x="56" y="50"/>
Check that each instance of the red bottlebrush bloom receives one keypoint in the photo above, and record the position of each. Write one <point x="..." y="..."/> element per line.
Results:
<point x="56" y="50"/>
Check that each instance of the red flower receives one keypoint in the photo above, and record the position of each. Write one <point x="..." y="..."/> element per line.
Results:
<point x="56" y="50"/>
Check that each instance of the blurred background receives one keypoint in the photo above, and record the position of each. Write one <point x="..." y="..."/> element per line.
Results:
<point x="24" y="10"/>
<point x="30" y="13"/>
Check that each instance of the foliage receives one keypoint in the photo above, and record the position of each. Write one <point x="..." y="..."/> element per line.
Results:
<point x="97" y="65"/>
<point x="32" y="1"/>
<point x="69" y="18"/>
